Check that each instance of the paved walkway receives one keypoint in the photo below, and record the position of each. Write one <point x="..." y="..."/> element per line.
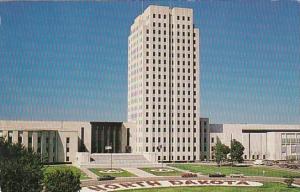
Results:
<point x="139" y="172"/>
<point x="89" y="173"/>
<point x="184" y="171"/>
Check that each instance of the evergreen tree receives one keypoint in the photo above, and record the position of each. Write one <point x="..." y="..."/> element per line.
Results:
<point x="20" y="169"/>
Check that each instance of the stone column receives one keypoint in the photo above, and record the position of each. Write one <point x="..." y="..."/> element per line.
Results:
<point x="120" y="138"/>
<point x="5" y="134"/>
<point x="43" y="143"/>
<point x="25" y="138"/>
<point x="102" y="140"/>
<point x="96" y="139"/>
<point x="51" y="145"/>
<point x="35" y="141"/>
<point x="99" y="140"/>
<point x="108" y="142"/>
<point x="114" y="140"/>
<point x="15" y="137"/>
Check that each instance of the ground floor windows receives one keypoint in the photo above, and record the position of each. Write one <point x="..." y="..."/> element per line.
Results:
<point x="20" y="137"/>
<point x="108" y="134"/>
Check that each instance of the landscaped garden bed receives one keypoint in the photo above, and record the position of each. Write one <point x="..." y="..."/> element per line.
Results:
<point x="115" y="172"/>
<point x="164" y="171"/>
<point x="247" y="171"/>
<point x="50" y="168"/>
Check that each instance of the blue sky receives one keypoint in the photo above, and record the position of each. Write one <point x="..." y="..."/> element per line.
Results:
<point x="68" y="60"/>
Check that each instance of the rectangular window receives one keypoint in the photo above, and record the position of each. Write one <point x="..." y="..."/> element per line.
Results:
<point x="29" y="139"/>
<point x="293" y="149"/>
<point x="20" y="137"/>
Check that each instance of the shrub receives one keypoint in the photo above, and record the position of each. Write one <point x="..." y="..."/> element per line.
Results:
<point x="292" y="166"/>
<point x="105" y="177"/>
<point x="62" y="180"/>
<point x="289" y="181"/>
<point x="217" y="175"/>
<point x="188" y="175"/>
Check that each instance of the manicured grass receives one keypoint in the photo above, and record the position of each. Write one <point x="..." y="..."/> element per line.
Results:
<point x="267" y="187"/>
<point x="50" y="168"/>
<point x="247" y="171"/>
<point x="173" y="173"/>
<point x="122" y="174"/>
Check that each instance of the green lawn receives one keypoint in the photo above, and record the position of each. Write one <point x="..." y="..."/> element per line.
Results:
<point x="50" y="168"/>
<point x="173" y="173"/>
<point x="247" y="171"/>
<point x="267" y="187"/>
<point x="122" y="174"/>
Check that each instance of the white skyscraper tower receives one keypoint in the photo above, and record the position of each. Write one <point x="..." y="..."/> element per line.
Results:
<point x="163" y="84"/>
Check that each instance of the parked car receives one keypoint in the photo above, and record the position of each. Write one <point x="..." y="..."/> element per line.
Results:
<point x="258" y="162"/>
<point x="284" y="165"/>
<point x="269" y="163"/>
<point x="241" y="165"/>
<point x="292" y="166"/>
<point x="237" y="175"/>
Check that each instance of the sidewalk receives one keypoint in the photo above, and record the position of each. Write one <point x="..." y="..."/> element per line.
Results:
<point x="89" y="173"/>
<point x="139" y="172"/>
<point x="184" y="171"/>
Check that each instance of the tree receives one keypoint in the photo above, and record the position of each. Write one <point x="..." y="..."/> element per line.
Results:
<point x="221" y="151"/>
<point x="236" y="151"/>
<point x="62" y="180"/>
<point x="20" y="169"/>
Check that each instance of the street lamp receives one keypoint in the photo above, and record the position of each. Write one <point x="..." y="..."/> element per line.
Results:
<point x="159" y="148"/>
<point x="109" y="147"/>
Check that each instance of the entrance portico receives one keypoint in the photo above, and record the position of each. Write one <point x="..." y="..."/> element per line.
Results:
<point x="112" y="134"/>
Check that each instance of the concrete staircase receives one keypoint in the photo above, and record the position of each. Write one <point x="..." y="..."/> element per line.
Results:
<point x="119" y="160"/>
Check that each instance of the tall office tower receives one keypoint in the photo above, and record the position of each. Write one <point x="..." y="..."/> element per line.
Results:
<point x="163" y="84"/>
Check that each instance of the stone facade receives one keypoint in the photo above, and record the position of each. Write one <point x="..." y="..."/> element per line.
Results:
<point x="59" y="141"/>
<point x="163" y="84"/>
<point x="261" y="141"/>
